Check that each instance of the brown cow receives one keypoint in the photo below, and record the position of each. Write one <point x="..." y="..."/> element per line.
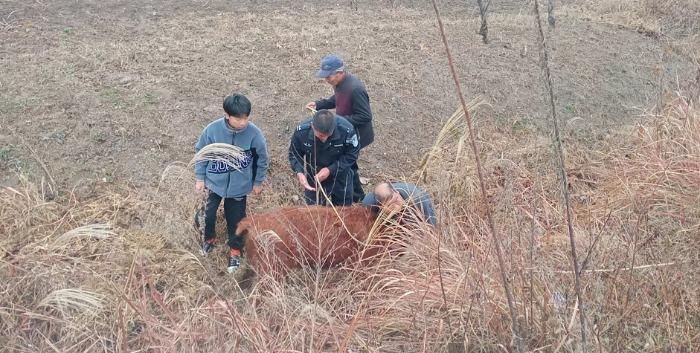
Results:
<point x="292" y="237"/>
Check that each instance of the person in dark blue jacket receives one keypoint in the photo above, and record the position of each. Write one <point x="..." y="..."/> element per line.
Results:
<point x="322" y="152"/>
<point x="392" y="197"/>
<point x="223" y="182"/>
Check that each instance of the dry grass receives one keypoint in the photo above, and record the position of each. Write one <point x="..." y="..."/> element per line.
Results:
<point x="119" y="271"/>
<point x="72" y="283"/>
<point x="96" y="231"/>
<point x="219" y="152"/>
<point x="677" y="17"/>
<point x="71" y="299"/>
<point x="675" y="22"/>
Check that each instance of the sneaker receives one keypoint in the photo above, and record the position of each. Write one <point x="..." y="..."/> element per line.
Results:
<point x="234" y="260"/>
<point x="207" y="247"/>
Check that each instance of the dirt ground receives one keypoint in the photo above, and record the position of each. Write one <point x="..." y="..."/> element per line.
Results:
<point x="112" y="93"/>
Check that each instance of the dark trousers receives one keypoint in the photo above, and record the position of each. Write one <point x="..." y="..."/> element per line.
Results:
<point x="338" y="189"/>
<point x="234" y="211"/>
<point x="357" y="193"/>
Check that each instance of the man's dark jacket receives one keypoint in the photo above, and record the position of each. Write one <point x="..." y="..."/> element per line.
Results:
<point x="308" y="155"/>
<point x="351" y="101"/>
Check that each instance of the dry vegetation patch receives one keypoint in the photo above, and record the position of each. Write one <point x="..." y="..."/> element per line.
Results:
<point x="120" y="272"/>
<point x="111" y="268"/>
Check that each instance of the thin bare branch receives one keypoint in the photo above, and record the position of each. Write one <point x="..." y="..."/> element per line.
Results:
<point x="482" y="185"/>
<point x="562" y="176"/>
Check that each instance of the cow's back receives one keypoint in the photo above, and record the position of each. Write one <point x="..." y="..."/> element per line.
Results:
<point x="292" y="237"/>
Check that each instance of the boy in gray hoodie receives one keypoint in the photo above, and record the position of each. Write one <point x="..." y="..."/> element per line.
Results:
<point x="222" y="181"/>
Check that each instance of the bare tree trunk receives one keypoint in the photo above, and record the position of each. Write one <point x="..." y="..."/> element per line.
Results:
<point x="483" y="12"/>
<point x="550" y="13"/>
<point x="563" y="179"/>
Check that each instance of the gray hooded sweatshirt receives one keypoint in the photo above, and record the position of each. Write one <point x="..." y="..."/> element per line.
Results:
<point x="220" y="178"/>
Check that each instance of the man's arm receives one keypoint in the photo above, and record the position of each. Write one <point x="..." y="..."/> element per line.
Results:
<point x="371" y="202"/>
<point x="326" y="103"/>
<point x="361" y="112"/>
<point x="426" y="206"/>
<point x="295" y="154"/>
<point x="296" y="161"/>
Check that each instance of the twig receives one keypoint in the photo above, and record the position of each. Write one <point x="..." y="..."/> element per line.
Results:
<point x="442" y="287"/>
<point x="568" y="329"/>
<point x="202" y="215"/>
<point x="353" y="324"/>
<point x="635" y="237"/>
<point x="482" y="185"/>
<point x="598" y="236"/>
<point x="532" y="258"/>
<point x="607" y="270"/>
<point x="39" y="161"/>
<point x="662" y="74"/>
<point x="563" y="177"/>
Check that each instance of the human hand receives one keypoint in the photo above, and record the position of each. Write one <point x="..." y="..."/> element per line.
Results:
<point x="311" y="106"/>
<point x="257" y="189"/>
<point x="199" y="185"/>
<point x="304" y="182"/>
<point x="323" y="174"/>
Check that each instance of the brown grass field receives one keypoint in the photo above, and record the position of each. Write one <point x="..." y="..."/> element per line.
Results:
<point x="101" y="104"/>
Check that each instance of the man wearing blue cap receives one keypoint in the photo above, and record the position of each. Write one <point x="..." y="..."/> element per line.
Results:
<point x="350" y="100"/>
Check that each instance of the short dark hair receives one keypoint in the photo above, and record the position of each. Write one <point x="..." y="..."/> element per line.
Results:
<point x="324" y="121"/>
<point x="237" y="105"/>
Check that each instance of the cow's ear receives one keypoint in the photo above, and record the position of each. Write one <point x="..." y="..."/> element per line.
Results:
<point x="243" y="226"/>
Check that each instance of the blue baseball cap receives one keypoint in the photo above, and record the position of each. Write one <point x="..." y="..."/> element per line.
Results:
<point x="330" y="64"/>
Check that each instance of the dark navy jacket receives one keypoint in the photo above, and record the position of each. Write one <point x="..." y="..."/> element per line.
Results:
<point x="351" y="101"/>
<point x="308" y="155"/>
